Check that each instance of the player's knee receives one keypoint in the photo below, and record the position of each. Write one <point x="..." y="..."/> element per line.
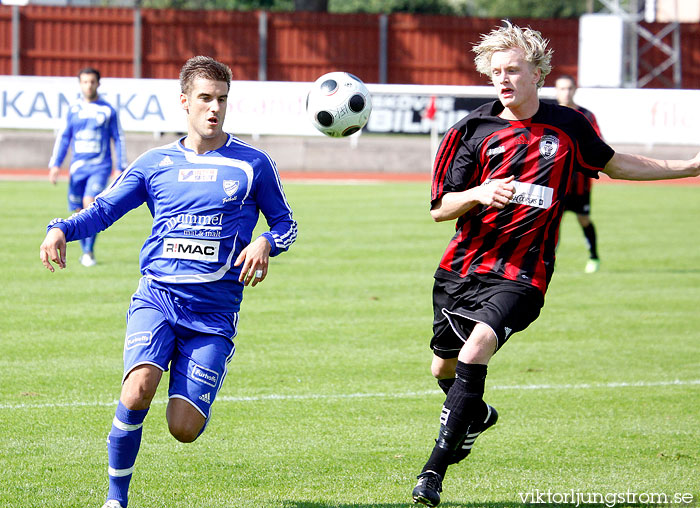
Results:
<point x="443" y="369"/>
<point x="183" y="431"/>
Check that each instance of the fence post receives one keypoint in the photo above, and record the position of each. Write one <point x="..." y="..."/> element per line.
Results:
<point x="137" y="42"/>
<point x="262" y="45"/>
<point x="383" y="47"/>
<point x="15" y="40"/>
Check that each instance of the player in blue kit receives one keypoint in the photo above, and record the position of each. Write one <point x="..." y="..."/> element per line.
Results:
<point x="91" y="125"/>
<point x="205" y="192"/>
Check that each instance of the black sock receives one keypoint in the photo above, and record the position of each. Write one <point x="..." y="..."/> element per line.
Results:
<point x="463" y="405"/>
<point x="589" y="233"/>
<point x="446" y="384"/>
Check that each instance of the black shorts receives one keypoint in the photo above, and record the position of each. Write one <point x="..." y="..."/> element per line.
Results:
<point x="504" y="306"/>
<point x="578" y="203"/>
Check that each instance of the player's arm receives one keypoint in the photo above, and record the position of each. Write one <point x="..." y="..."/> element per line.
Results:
<point x="60" y="150"/>
<point x="273" y="204"/>
<point x="627" y="166"/>
<point x="496" y="193"/>
<point x="119" y="144"/>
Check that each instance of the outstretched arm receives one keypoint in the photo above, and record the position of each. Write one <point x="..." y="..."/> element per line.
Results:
<point x="626" y="166"/>
<point x="496" y="193"/>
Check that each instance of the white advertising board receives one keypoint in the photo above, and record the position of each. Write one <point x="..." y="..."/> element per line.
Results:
<point x="278" y="108"/>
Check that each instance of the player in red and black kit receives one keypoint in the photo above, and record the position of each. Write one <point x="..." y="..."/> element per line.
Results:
<point x="578" y="200"/>
<point x="502" y="173"/>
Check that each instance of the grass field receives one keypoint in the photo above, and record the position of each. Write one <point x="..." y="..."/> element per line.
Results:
<point x="329" y="401"/>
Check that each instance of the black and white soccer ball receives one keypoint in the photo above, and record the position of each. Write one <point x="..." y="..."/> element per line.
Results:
<point x="338" y="104"/>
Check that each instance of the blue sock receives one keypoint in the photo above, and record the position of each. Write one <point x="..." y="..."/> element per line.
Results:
<point x="122" y="447"/>
<point x="89" y="243"/>
<point x="82" y="244"/>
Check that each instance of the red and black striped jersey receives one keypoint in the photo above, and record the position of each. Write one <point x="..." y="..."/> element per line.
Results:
<point x="580" y="183"/>
<point x="542" y="153"/>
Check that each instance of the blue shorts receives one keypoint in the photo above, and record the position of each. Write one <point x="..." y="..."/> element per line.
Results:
<point x="196" y="346"/>
<point x="85" y="185"/>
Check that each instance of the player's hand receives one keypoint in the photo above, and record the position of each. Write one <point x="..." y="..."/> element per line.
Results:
<point x="53" y="174"/>
<point x="255" y="259"/>
<point x="53" y="248"/>
<point x="497" y="192"/>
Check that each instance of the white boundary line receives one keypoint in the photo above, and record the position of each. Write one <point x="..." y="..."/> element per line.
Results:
<point x="399" y="395"/>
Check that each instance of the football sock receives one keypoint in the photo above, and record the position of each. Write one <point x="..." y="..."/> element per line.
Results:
<point x="589" y="233"/>
<point x="89" y="243"/>
<point x="446" y="384"/>
<point x="122" y="447"/>
<point x="463" y="405"/>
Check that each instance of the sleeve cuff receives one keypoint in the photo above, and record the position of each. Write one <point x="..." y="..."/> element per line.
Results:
<point x="271" y="240"/>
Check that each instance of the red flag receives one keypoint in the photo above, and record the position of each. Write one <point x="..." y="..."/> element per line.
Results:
<point x="429" y="112"/>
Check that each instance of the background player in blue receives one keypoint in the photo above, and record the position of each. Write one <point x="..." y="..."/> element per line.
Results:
<point x="501" y="172"/>
<point x="205" y="192"/>
<point x="91" y="125"/>
<point x="578" y="199"/>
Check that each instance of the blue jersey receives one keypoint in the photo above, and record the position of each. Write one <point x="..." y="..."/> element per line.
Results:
<point x="88" y="131"/>
<point x="204" y="207"/>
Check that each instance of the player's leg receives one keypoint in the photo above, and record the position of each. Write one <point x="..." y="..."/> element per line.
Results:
<point x="593" y="264"/>
<point x="198" y="370"/>
<point x="483" y="316"/>
<point x="95" y="184"/>
<point x="148" y="347"/>
<point x="76" y="189"/>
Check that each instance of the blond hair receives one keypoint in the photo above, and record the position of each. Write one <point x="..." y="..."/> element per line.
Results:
<point x="512" y="36"/>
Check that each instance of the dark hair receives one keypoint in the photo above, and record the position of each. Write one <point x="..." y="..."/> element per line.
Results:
<point x="89" y="70"/>
<point x="203" y="67"/>
<point x="567" y="76"/>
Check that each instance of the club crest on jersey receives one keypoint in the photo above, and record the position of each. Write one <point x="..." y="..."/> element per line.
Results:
<point x="548" y="146"/>
<point x="231" y="186"/>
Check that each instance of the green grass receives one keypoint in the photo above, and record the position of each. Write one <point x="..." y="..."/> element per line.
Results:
<point x="329" y="401"/>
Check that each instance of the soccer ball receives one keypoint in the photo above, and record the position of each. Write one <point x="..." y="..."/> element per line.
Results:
<point x="338" y="104"/>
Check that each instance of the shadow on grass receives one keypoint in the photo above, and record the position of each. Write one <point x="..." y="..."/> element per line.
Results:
<point x="409" y="503"/>
<point x="487" y="504"/>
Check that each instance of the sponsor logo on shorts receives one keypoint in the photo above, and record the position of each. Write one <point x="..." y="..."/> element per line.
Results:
<point x="531" y="194"/>
<point x="198" y="175"/>
<point x="206" y="397"/>
<point x="138" y="339"/>
<point x="204" y="375"/>
<point x="198" y="250"/>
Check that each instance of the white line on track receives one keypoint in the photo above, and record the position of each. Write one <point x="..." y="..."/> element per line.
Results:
<point x="398" y="395"/>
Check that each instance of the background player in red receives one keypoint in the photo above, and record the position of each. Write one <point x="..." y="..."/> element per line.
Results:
<point x="578" y="200"/>
<point x="502" y="173"/>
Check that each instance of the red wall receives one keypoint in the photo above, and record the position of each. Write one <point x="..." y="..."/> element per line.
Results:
<point x="57" y="41"/>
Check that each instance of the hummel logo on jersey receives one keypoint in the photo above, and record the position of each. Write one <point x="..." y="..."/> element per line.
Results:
<point x="522" y="140"/>
<point x="167" y="161"/>
<point x="205" y="398"/>
<point x="444" y="416"/>
<point x="495" y="151"/>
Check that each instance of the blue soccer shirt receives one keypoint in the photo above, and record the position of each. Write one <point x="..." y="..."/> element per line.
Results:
<point x="204" y="207"/>
<point x="88" y="131"/>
